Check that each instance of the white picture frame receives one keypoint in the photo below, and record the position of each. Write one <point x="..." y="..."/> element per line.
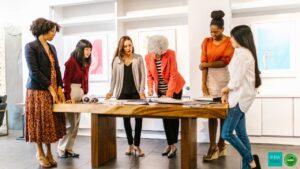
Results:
<point x="285" y="29"/>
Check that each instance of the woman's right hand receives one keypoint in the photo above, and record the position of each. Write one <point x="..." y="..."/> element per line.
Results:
<point x="205" y="90"/>
<point x="69" y="101"/>
<point x="108" y="96"/>
<point x="224" y="98"/>
<point x="202" y="66"/>
<point x="54" y="95"/>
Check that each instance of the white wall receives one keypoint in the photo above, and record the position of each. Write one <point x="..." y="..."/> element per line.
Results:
<point x="22" y="13"/>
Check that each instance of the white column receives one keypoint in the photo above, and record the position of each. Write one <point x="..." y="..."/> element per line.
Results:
<point x="199" y="22"/>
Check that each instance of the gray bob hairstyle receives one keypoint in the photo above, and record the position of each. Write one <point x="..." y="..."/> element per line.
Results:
<point x="158" y="44"/>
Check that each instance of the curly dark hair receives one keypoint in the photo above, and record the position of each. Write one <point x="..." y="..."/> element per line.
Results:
<point x="42" y="26"/>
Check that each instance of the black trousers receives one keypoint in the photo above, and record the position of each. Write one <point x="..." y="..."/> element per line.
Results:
<point x="1" y="118"/>
<point x="171" y="126"/>
<point x="127" y="124"/>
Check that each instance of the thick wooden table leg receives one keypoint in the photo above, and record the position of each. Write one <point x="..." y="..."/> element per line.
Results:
<point x="104" y="146"/>
<point x="188" y="143"/>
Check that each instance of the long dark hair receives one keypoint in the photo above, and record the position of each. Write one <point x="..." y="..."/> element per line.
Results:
<point x="78" y="53"/>
<point x="120" y="49"/>
<point x="243" y="35"/>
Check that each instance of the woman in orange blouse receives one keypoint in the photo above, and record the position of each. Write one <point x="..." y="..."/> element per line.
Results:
<point x="216" y="54"/>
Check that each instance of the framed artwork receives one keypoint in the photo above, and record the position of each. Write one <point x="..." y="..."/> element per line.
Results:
<point x="143" y="36"/>
<point x="275" y="45"/>
<point x="99" y="69"/>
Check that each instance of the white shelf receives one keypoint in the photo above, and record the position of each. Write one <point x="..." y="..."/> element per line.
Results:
<point x="154" y="14"/>
<point x="264" y="3"/>
<point x="63" y="3"/>
<point x="264" y="6"/>
<point x="88" y="20"/>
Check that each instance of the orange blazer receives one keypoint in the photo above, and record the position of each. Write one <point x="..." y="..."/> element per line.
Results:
<point x="169" y="72"/>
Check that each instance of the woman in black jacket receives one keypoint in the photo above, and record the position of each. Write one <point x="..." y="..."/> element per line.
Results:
<point x="44" y="88"/>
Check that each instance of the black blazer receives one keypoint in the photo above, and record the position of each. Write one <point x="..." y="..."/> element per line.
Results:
<point x="39" y="66"/>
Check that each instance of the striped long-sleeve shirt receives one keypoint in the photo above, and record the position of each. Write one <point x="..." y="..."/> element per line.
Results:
<point x="162" y="85"/>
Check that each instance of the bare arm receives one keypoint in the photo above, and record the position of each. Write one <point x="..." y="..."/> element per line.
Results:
<point x="216" y="64"/>
<point x="204" y="80"/>
<point x="204" y="76"/>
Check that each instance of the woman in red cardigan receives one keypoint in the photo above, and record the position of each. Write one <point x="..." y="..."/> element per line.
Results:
<point x="75" y="80"/>
<point x="163" y="76"/>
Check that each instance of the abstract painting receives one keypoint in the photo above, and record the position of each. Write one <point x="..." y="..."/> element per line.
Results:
<point x="274" y="43"/>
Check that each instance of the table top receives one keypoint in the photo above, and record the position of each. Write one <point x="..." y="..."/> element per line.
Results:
<point x="148" y="111"/>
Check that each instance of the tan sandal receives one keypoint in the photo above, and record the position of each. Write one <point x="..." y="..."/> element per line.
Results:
<point x="43" y="161"/>
<point x="223" y="151"/>
<point x="212" y="154"/>
<point x="138" y="151"/>
<point x="52" y="162"/>
<point x="130" y="150"/>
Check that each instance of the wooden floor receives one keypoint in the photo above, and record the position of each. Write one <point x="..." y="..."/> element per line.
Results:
<point x="20" y="155"/>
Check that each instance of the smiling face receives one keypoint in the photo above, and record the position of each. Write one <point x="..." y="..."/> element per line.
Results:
<point x="87" y="52"/>
<point x="216" y="32"/>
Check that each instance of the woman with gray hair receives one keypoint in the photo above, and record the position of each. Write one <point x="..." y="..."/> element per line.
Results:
<point x="163" y="78"/>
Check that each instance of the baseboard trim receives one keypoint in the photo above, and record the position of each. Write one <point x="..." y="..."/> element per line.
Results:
<point x="204" y="138"/>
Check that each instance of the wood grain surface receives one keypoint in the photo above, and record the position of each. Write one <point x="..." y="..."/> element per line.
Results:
<point x="150" y="111"/>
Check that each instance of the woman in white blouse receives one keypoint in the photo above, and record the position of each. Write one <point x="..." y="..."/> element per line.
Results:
<point x="240" y="93"/>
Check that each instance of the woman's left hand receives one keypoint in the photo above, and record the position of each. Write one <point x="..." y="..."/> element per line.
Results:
<point x="142" y="96"/>
<point x="225" y="92"/>
<point x="60" y="94"/>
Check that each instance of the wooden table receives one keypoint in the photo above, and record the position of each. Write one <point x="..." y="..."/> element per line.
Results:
<point x="103" y="134"/>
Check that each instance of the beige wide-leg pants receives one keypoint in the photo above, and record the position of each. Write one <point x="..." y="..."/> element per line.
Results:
<point x="72" y="119"/>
